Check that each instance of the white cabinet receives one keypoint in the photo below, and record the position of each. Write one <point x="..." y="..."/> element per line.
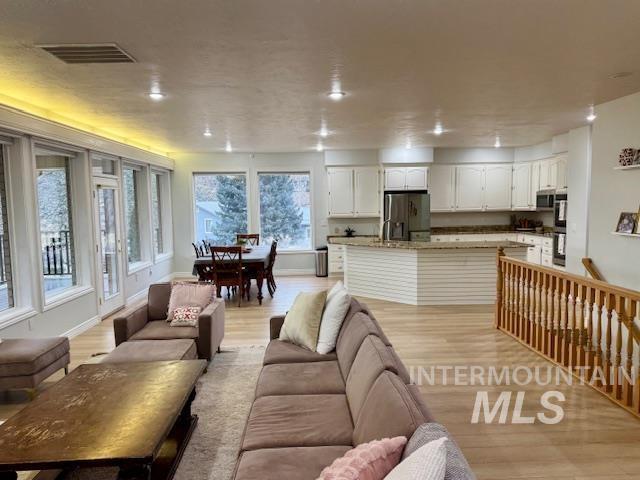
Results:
<point x="406" y="178"/>
<point x="497" y="187"/>
<point x="544" y="180"/>
<point x="416" y="178"/>
<point x="469" y="187"/>
<point x="341" y="201"/>
<point x="336" y="258"/>
<point x="521" y="187"/>
<point x="354" y="191"/>
<point x="553" y="172"/>
<point x="366" y="192"/>
<point x="442" y="187"/>
<point x="534" y="254"/>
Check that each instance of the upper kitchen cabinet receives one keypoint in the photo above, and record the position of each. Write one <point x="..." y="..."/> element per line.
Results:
<point x="470" y="187"/>
<point x="442" y="187"/>
<point x="354" y="191"/>
<point x="406" y="178"/>
<point x="497" y="187"/>
<point x="553" y="172"/>
<point x="522" y="184"/>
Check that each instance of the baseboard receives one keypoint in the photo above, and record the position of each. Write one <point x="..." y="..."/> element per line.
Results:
<point x="83" y="327"/>
<point x="290" y="272"/>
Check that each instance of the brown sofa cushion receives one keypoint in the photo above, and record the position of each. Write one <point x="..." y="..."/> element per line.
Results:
<point x="161" y="330"/>
<point x="297" y="463"/>
<point x="26" y="356"/>
<point x="153" y="351"/>
<point x="373" y="358"/>
<point x="388" y="411"/>
<point x="285" y="352"/>
<point x="300" y="379"/>
<point x="350" y="339"/>
<point x="418" y="397"/>
<point x="298" y="421"/>
<point x="158" y="301"/>
<point x="401" y="369"/>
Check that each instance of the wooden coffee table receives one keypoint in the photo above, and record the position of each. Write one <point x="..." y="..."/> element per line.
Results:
<point x="136" y="416"/>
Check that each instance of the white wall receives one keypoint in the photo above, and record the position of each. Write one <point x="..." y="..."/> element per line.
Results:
<point x="188" y="163"/>
<point x="613" y="191"/>
<point x="578" y="188"/>
<point x="473" y="155"/>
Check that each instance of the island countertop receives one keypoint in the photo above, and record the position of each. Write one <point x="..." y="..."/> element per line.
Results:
<point x="406" y="245"/>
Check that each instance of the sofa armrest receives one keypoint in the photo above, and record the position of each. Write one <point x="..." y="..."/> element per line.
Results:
<point x="125" y="326"/>
<point x="210" y="329"/>
<point x="275" y="325"/>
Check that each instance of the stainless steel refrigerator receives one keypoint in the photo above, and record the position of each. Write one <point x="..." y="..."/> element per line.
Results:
<point x="407" y="216"/>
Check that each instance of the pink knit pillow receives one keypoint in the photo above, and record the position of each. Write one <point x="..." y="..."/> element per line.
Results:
<point x="368" y="461"/>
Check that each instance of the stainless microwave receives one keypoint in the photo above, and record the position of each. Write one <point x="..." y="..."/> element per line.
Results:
<point x="545" y="199"/>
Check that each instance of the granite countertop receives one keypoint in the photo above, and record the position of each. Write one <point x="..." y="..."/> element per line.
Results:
<point x="480" y="229"/>
<point x="376" y="243"/>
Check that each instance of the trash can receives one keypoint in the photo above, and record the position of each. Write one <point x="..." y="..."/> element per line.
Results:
<point x="322" y="257"/>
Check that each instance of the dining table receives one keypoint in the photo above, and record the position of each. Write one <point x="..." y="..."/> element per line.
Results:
<point x="254" y="258"/>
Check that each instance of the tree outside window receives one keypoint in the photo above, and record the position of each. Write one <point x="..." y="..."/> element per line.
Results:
<point x="132" y="223"/>
<point x="285" y="210"/>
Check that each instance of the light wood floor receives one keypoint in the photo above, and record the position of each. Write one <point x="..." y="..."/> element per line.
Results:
<point x="596" y="440"/>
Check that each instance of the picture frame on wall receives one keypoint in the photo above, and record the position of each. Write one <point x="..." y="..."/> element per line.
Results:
<point x="627" y="222"/>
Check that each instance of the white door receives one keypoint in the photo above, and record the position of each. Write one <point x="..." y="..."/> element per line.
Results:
<point x="520" y="191"/>
<point x="108" y="246"/>
<point x="442" y="187"/>
<point x="395" y="178"/>
<point x="367" y="192"/>
<point x="340" y="192"/>
<point x="469" y="187"/>
<point x="416" y="178"/>
<point x="497" y="190"/>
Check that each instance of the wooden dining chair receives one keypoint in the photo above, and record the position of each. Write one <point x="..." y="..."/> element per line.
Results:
<point x="271" y="282"/>
<point x="227" y="270"/>
<point x="250" y="239"/>
<point x="199" y="250"/>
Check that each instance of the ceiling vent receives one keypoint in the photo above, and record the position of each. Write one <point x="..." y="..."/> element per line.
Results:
<point x="89" y="53"/>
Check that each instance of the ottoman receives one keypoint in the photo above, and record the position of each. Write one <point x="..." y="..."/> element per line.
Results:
<point x="25" y="362"/>
<point x="153" y="351"/>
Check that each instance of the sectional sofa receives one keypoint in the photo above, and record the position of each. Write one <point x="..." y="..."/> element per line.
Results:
<point x="310" y="409"/>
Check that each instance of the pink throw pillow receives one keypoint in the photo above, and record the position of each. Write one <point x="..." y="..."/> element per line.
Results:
<point x="189" y="295"/>
<point x="368" y="461"/>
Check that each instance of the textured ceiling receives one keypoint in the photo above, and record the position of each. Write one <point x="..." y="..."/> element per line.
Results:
<point x="257" y="71"/>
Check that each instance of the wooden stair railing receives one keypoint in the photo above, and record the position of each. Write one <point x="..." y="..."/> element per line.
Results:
<point x="592" y="269"/>
<point x="575" y="322"/>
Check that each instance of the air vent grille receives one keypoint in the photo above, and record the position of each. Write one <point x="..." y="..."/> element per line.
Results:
<point x="89" y="53"/>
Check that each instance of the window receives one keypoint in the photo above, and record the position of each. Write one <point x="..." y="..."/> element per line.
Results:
<point x="156" y="212"/>
<point x="131" y="192"/>
<point x="285" y="210"/>
<point x="220" y="207"/>
<point x="56" y="223"/>
<point x="6" y="283"/>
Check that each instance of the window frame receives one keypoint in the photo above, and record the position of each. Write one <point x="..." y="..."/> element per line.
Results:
<point x="248" y="194"/>
<point x="143" y="204"/>
<point x="10" y="312"/>
<point x="165" y="214"/>
<point x="256" y="204"/>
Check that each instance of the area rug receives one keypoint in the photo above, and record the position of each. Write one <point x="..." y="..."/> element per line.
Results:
<point x="222" y="404"/>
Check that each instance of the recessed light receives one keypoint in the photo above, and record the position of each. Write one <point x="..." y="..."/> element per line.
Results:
<point x="207" y="132"/>
<point x="228" y="147"/>
<point x="336" y="95"/>
<point x="497" y="144"/>
<point x="438" y="130"/>
<point x="157" y="96"/>
<point x="592" y="114"/>
<point x="319" y="147"/>
<point x="324" y="133"/>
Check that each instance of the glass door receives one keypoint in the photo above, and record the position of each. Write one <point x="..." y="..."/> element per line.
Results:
<point x="108" y="246"/>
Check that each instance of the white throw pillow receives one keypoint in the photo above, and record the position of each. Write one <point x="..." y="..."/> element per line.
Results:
<point x="335" y="309"/>
<point x="429" y="462"/>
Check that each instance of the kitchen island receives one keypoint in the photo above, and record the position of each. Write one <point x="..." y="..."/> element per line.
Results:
<point x="425" y="273"/>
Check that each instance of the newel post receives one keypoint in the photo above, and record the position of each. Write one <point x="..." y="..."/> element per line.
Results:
<point x="499" y="288"/>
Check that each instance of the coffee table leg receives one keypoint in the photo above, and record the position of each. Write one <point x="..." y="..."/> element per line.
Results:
<point x="137" y="472"/>
<point x="259" y="280"/>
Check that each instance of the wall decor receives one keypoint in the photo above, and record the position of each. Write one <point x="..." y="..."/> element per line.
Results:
<point x="628" y="156"/>
<point x="637" y="230"/>
<point x="636" y="160"/>
<point x="627" y="222"/>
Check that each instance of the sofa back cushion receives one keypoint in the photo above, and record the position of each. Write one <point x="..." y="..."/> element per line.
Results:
<point x="388" y="411"/>
<point x="158" y="301"/>
<point x="350" y="339"/>
<point x="373" y="358"/>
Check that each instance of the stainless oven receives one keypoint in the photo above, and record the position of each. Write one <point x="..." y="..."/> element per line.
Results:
<point x="545" y="200"/>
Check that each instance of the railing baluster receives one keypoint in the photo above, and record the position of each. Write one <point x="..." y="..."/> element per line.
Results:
<point x="597" y="362"/>
<point x="617" y="387"/>
<point x="630" y="315"/>
<point x="608" y="359"/>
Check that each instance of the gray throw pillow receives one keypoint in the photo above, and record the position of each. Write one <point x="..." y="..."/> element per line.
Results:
<point x="457" y="466"/>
